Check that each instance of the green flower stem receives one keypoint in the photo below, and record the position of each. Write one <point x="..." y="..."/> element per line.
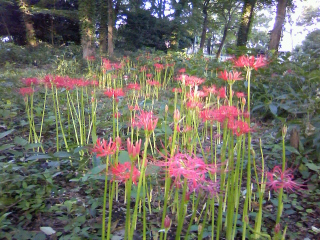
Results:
<point x="181" y="211"/>
<point x="105" y="201"/>
<point x="203" y="225"/>
<point x="72" y="108"/>
<point x="222" y="180"/>
<point x="61" y="125"/>
<point x="56" y="117"/>
<point x="110" y="209"/>
<point x="194" y="212"/>
<point x="247" y="202"/>
<point x="142" y="172"/>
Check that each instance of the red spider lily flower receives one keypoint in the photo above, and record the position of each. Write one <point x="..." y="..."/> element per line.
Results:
<point x="102" y="148"/>
<point x="133" y="150"/>
<point x="107" y="66"/>
<point x="250" y="62"/>
<point x="122" y="172"/>
<point x="222" y="93"/>
<point x="117" y="66"/>
<point x="31" y="81"/>
<point x="241" y="128"/>
<point x="117" y="115"/>
<point x="206" y="115"/>
<point x="182" y="70"/>
<point x="91" y="58"/>
<point x="225" y="112"/>
<point x="134" y="86"/>
<point x="143" y="68"/>
<point x="149" y="75"/>
<point x="153" y="83"/>
<point x="94" y="83"/>
<point x="231" y="77"/>
<point x="27" y="91"/>
<point x="278" y="179"/>
<point x="179" y="90"/>
<point x="147" y="120"/>
<point x="210" y="90"/>
<point x="115" y="93"/>
<point x="158" y="66"/>
<point x="193" y="104"/>
<point x="240" y="94"/>
<point x="200" y="94"/>
<point x="193" y="81"/>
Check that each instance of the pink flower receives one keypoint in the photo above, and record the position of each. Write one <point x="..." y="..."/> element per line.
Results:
<point x="182" y="70"/>
<point x="278" y="179"/>
<point x="31" y="81"/>
<point x="122" y="172"/>
<point x="102" y="148"/>
<point x="167" y="222"/>
<point x="240" y="94"/>
<point x="135" y="86"/>
<point x="147" y="120"/>
<point x="26" y="91"/>
<point x="133" y="150"/>
<point x="251" y="62"/>
<point x="115" y="93"/>
<point x="222" y="92"/>
<point x="230" y="76"/>
<point x="212" y="89"/>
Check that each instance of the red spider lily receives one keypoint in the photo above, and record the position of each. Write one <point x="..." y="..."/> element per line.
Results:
<point x="27" y="91"/>
<point x="250" y="62"/>
<point x="31" y="81"/>
<point x="143" y="68"/>
<point x="211" y="90"/>
<point x="182" y="70"/>
<point x="225" y="112"/>
<point x="158" y="66"/>
<point x="206" y="115"/>
<point x="167" y="223"/>
<point x="94" y="83"/>
<point x="133" y="108"/>
<point x="240" y="94"/>
<point x="193" y="81"/>
<point x="149" y="75"/>
<point x="107" y="66"/>
<point x="191" y="168"/>
<point x="115" y="93"/>
<point x="194" y="104"/>
<point x="91" y="58"/>
<point x="153" y="83"/>
<point x="117" y="115"/>
<point x="102" y="148"/>
<point x="134" y="86"/>
<point x="179" y="90"/>
<point x="47" y="80"/>
<point x="133" y="150"/>
<point x="222" y="93"/>
<point x="117" y="66"/>
<point x="147" y="120"/>
<point x="241" y="128"/>
<point x="278" y="179"/>
<point x="230" y="76"/>
<point x="122" y="172"/>
<point x="176" y="115"/>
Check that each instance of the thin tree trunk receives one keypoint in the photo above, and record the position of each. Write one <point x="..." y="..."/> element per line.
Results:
<point x="27" y="18"/>
<point x="103" y="26"/>
<point x="225" y="32"/>
<point x="209" y="46"/>
<point x="277" y="28"/>
<point x="205" y="23"/>
<point x="110" y="28"/>
<point x="246" y="20"/>
<point x="86" y="12"/>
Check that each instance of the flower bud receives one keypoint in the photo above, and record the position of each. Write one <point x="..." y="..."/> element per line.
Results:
<point x="176" y="115"/>
<point x="167" y="223"/>
<point x="284" y="130"/>
<point x="277" y="228"/>
<point x="166" y="108"/>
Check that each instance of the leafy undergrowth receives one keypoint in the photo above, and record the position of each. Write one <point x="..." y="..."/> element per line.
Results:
<point x="63" y="190"/>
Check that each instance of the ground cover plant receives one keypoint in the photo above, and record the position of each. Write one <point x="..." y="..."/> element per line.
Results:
<point x="160" y="146"/>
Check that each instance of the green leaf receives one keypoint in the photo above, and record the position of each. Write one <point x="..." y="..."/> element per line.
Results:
<point x="98" y="169"/>
<point x="5" y="147"/>
<point x="313" y="167"/>
<point x="35" y="157"/>
<point x="273" y="108"/>
<point x="20" y="141"/>
<point x="292" y="149"/>
<point x="32" y="145"/>
<point x="2" y="135"/>
<point x="62" y="154"/>
<point x="124" y="157"/>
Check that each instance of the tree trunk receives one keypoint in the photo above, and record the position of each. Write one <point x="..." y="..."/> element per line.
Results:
<point x="209" y="46"/>
<point x="277" y="28"/>
<point x="103" y="26"/>
<point x="225" y="32"/>
<point x="86" y="13"/>
<point x="27" y="18"/>
<point x="205" y="23"/>
<point x="110" y="28"/>
<point x="246" y="20"/>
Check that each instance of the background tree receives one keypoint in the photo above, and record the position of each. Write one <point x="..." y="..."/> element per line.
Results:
<point x="86" y="16"/>
<point x="246" y="22"/>
<point x="278" y="25"/>
<point x="27" y="19"/>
